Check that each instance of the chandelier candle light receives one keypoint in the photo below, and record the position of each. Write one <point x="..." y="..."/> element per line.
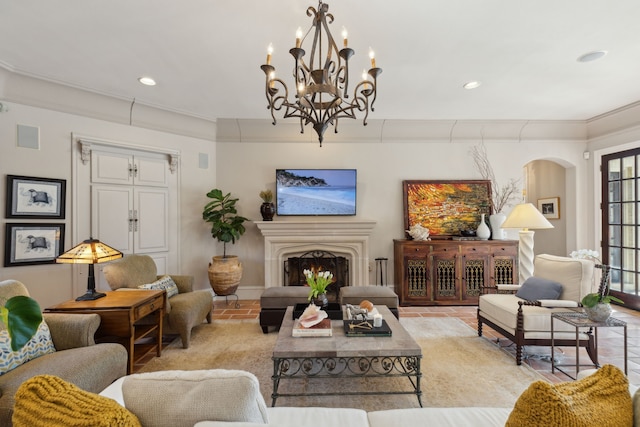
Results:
<point x="322" y="84"/>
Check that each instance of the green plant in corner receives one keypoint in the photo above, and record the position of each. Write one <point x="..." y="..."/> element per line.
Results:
<point x="226" y="225"/>
<point x="22" y="316"/>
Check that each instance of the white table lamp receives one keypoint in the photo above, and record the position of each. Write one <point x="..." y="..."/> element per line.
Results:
<point x="525" y="217"/>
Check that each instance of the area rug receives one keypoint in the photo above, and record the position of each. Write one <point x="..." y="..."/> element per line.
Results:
<point x="459" y="368"/>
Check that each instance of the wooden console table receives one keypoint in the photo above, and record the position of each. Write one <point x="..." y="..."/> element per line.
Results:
<point x="451" y="272"/>
<point x="121" y="315"/>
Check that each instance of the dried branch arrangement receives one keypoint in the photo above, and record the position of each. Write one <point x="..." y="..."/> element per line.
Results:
<point x="501" y="197"/>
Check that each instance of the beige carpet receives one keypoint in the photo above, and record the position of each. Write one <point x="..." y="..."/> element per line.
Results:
<point x="459" y="368"/>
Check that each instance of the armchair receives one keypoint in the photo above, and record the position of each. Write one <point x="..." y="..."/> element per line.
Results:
<point x="528" y="322"/>
<point x="183" y="311"/>
<point x="77" y="358"/>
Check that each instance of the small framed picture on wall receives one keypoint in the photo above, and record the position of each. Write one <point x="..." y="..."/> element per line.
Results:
<point x="550" y="207"/>
<point x="27" y="244"/>
<point x="36" y="198"/>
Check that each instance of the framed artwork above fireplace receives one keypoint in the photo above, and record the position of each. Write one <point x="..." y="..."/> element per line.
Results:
<point x="446" y="208"/>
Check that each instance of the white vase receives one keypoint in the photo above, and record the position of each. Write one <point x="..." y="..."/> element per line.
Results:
<point x="496" y="220"/>
<point x="483" y="232"/>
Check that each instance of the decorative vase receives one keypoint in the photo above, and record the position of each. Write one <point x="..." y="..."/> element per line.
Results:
<point x="599" y="312"/>
<point x="321" y="301"/>
<point x="496" y="220"/>
<point x="483" y="232"/>
<point x="267" y="210"/>
<point x="225" y="274"/>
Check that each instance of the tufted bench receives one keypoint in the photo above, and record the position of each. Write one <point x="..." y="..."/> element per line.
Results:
<point x="378" y="295"/>
<point x="275" y="300"/>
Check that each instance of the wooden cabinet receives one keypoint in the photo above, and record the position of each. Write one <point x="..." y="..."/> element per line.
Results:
<point x="451" y="272"/>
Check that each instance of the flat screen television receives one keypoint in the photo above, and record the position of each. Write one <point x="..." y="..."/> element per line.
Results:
<point x="316" y="191"/>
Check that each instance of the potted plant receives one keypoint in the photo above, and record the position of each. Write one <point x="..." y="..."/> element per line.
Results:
<point x="318" y="281"/>
<point x="597" y="305"/>
<point x="22" y="317"/>
<point x="227" y="226"/>
<point x="267" y="209"/>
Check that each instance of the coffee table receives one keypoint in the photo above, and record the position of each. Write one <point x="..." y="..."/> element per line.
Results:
<point x="340" y="356"/>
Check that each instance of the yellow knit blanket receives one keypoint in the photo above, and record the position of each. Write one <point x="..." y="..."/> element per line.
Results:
<point x="49" y="401"/>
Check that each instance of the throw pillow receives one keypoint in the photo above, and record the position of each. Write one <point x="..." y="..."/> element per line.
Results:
<point x="600" y="399"/>
<point x="182" y="398"/>
<point x="535" y="288"/>
<point x="49" y="401"/>
<point x="39" y="345"/>
<point x="166" y="283"/>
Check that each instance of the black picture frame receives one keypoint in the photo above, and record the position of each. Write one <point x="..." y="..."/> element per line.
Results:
<point x="31" y="243"/>
<point x="35" y="198"/>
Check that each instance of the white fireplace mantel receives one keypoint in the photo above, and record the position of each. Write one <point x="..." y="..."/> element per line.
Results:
<point x="349" y="238"/>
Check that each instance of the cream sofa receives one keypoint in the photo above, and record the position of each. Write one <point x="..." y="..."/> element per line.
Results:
<point x="185" y="398"/>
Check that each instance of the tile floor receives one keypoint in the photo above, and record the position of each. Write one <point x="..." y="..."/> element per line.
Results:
<point x="610" y="340"/>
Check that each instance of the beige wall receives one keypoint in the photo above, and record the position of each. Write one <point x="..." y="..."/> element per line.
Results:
<point x="245" y="168"/>
<point x="53" y="283"/>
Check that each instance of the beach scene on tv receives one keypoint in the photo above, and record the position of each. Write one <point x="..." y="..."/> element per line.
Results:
<point x="316" y="191"/>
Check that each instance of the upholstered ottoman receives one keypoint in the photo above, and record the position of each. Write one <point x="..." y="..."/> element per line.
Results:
<point x="378" y="295"/>
<point x="275" y="300"/>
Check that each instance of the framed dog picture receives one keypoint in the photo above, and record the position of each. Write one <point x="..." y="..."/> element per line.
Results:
<point x="550" y="207"/>
<point x="37" y="198"/>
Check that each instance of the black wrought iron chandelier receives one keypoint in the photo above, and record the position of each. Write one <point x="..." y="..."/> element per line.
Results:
<point x="321" y="95"/>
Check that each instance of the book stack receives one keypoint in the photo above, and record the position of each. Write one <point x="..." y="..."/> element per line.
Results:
<point x="365" y="328"/>
<point x="322" y="329"/>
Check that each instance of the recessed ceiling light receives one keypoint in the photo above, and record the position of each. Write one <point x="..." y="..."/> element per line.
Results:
<point x="592" y="56"/>
<point x="148" y="81"/>
<point x="471" y="85"/>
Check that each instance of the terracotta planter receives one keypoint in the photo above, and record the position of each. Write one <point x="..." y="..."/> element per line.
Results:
<point x="225" y="274"/>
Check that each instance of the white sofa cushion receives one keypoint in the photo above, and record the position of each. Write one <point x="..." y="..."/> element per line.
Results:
<point x="183" y="398"/>
<point x="305" y="417"/>
<point x="441" y="417"/>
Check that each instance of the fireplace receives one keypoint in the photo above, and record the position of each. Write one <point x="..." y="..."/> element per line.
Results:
<point x="294" y="268"/>
<point x="347" y="238"/>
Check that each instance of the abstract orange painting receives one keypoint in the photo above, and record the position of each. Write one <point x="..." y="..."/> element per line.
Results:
<point x="446" y="208"/>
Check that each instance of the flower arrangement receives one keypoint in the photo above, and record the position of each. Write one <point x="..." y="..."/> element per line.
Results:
<point x="602" y="296"/>
<point x="318" y="281"/>
<point x="266" y="196"/>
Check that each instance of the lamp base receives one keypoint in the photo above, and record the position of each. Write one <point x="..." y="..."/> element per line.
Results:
<point x="91" y="295"/>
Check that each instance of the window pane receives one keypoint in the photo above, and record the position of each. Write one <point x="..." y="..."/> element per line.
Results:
<point x="614" y="191"/>
<point x="628" y="193"/>
<point x="628" y="213"/>
<point x="614" y="257"/>
<point x="629" y="259"/>
<point x="615" y="282"/>
<point x="614" y="213"/>
<point x="628" y="280"/>
<point x="615" y="235"/>
<point x="628" y="167"/>
<point x="614" y="169"/>
<point x="628" y="236"/>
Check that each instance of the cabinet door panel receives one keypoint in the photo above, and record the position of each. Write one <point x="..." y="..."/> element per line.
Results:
<point x="151" y="171"/>
<point x="112" y="216"/>
<point x="152" y="211"/>
<point x="111" y="168"/>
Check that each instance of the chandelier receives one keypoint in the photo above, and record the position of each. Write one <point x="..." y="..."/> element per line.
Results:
<point x="321" y="93"/>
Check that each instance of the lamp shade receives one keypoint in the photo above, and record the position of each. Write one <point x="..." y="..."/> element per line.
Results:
<point x="91" y="251"/>
<point x="526" y="216"/>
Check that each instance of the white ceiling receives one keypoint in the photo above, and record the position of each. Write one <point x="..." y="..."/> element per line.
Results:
<point x="206" y="54"/>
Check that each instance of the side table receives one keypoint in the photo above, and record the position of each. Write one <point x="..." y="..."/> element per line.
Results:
<point x="579" y="320"/>
<point x="121" y="313"/>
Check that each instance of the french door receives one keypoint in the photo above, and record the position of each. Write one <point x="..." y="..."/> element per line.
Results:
<point x="621" y="223"/>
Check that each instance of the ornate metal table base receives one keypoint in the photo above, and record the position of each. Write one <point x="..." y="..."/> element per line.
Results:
<point x="348" y="367"/>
